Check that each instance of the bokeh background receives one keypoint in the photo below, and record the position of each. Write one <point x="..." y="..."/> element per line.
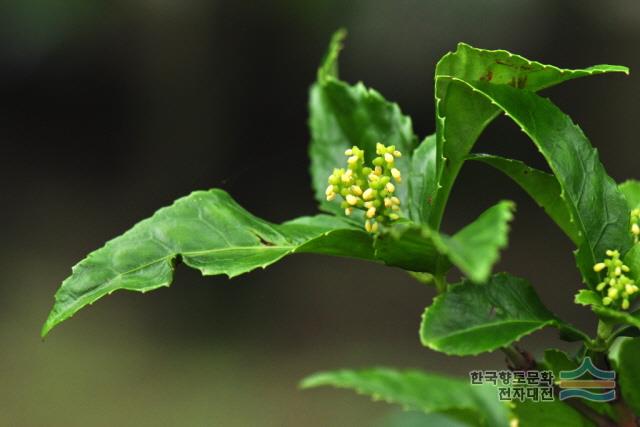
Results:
<point x="109" y="110"/>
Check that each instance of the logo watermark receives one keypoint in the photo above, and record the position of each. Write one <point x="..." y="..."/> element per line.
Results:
<point x="571" y="386"/>
<point x="541" y="385"/>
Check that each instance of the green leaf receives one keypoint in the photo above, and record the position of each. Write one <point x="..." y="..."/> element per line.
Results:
<point x="462" y="115"/>
<point x="632" y="260"/>
<point x="471" y="319"/>
<point x="596" y="205"/>
<point x="423" y="182"/>
<point x="541" y="186"/>
<point x="474" y="249"/>
<point x="624" y="356"/>
<point x="329" y="66"/>
<point x="430" y="393"/>
<point x="631" y="191"/>
<point x="209" y="232"/>
<point x="548" y="414"/>
<point x="403" y="418"/>
<point x="342" y="116"/>
<point x="592" y="299"/>
<point x="557" y="360"/>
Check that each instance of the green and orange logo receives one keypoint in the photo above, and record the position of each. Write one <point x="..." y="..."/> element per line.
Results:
<point x="572" y="386"/>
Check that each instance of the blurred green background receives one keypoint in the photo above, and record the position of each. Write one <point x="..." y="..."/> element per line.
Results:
<point x="109" y="110"/>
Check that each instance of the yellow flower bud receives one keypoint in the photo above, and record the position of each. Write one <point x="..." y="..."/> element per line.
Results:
<point x="395" y="173"/>
<point x="599" y="267"/>
<point x="390" y="187"/>
<point x="371" y="212"/>
<point x="367" y="226"/>
<point x="388" y="158"/>
<point x="367" y="194"/>
<point x="356" y="190"/>
<point x="625" y="304"/>
<point x="351" y="199"/>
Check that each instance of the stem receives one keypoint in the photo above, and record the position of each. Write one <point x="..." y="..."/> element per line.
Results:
<point x="518" y="359"/>
<point x="441" y="283"/>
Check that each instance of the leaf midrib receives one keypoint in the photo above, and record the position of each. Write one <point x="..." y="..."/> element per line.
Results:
<point x="540" y="323"/>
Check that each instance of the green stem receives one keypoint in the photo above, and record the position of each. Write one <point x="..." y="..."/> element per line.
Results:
<point x="602" y="341"/>
<point x="441" y="283"/>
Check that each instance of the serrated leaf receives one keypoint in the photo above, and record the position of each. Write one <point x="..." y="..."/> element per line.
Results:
<point x="624" y="356"/>
<point x="209" y="232"/>
<point x="593" y="300"/>
<point x="474" y="249"/>
<point x="427" y="392"/>
<point x="471" y="319"/>
<point x="343" y="115"/>
<point x="461" y="115"/>
<point x="631" y="191"/>
<point x="548" y="414"/>
<point x="541" y="186"/>
<point x="597" y="206"/>
<point x="423" y="182"/>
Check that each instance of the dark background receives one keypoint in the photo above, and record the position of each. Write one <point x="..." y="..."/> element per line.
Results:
<point x="110" y="110"/>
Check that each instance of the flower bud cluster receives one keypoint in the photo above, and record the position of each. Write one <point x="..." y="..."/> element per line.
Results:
<point x="635" y="226"/>
<point x="368" y="188"/>
<point x="616" y="285"/>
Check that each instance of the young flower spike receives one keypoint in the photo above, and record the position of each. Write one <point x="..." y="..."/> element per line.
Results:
<point x="368" y="188"/>
<point x="616" y="287"/>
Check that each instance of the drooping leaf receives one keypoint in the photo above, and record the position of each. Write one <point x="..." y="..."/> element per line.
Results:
<point x="430" y="393"/>
<point x="343" y="115"/>
<point x="548" y="414"/>
<point x="596" y="205"/>
<point x="423" y="182"/>
<point x="593" y="300"/>
<point x="541" y="186"/>
<point x="474" y="249"/>
<point x="631" y="191"/>
<point x="461" y="115"/>
<point x="471" y="319"/>
<point x="624" y="357"/>
<point x="209" y="232"/>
